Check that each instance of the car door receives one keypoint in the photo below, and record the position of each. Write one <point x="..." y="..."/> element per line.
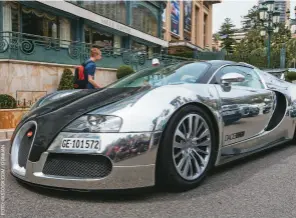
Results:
<point x="242" y="107"/>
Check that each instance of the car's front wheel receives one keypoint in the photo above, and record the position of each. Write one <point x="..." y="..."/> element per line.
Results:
<point x="187" y="150"/>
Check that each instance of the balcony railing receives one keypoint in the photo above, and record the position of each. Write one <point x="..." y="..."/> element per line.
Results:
<point x="19" y="46"/>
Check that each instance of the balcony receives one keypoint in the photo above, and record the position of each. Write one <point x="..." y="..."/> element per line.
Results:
<point x="26" y="47"/>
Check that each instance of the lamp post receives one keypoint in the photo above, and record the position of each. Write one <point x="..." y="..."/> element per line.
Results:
<point x="270" y="18"/>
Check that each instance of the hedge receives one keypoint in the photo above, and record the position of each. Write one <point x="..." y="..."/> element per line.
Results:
<point x="7" y="102"/>
<point x="123" y="71"/>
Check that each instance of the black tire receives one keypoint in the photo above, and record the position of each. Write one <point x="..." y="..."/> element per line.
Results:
<point x="167" y="176"/>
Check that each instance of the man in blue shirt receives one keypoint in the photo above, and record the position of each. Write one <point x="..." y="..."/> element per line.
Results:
<point x="90" y="68"/>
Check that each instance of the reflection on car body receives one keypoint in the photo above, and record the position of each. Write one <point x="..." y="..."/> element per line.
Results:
<point x="253" y="110"/>
<point x="245" y="109"/>
<point x="231" y="113"/>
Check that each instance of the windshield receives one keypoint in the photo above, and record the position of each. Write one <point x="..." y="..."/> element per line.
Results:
<point x="189" y="72"/>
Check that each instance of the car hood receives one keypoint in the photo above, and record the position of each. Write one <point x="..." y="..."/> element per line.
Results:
<point x="56" y="100"/>
<point x="51" y="118"/>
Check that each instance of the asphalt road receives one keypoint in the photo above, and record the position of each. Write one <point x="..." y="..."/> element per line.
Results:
<point x="261" y="186"/>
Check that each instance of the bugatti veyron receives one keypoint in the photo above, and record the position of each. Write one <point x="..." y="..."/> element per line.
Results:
<point x="167" y="125"/>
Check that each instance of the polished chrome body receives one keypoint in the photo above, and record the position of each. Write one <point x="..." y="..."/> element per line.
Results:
<point x="133" y="168"/>
<point x="244" y="118"/>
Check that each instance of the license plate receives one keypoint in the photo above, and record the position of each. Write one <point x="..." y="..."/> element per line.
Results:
<point x="81" y="144"/>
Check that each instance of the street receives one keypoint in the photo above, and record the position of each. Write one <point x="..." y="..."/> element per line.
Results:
<point x="260" y="186"/>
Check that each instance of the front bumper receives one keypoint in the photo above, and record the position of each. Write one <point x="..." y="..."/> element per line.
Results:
<point x="133" y="168"/>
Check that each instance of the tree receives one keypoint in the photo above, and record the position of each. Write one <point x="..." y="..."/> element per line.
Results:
<point x="252" y="41"/>
<point x="227" y="29"/>
<point x="66" y="80"/>
<point x="251" y="20"/>
<point x="216" y="37"/>
<point x="282" y="36"/>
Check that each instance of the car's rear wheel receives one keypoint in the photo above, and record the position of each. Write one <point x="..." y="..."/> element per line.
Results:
<point x="187" y="151"/>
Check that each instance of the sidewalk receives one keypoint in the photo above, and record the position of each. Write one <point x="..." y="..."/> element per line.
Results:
<point x="5" y="134"/>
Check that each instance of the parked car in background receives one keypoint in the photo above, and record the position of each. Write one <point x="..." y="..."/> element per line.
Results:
<point x="279" y="73"/>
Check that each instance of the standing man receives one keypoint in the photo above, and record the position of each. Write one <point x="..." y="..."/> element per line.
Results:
<point x="90" y="68"/>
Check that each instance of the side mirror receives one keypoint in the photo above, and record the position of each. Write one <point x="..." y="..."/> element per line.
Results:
<point x="229" y="78"/>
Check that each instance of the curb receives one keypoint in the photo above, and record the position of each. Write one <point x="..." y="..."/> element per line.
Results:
<point x="5" y="134"/>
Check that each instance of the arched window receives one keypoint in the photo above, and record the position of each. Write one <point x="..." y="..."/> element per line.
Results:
<point x="144" y="20"/>
<point x="39" y="23"/>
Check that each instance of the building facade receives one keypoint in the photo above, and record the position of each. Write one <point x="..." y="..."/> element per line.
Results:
<point x="238" y="36"/>
<point x="41" y="38"/>
<point x="282" y="6"/>
<point x="187" y="25"/>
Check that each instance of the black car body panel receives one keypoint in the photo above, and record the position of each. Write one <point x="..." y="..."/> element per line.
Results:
<point x="48" y="117"/>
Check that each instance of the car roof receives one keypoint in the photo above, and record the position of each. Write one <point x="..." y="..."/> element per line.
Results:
<point x="220" y="63"/>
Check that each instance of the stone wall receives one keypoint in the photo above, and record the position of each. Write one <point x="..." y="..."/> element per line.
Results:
<point x="25" y="77"/>
<point x="9" y="118"/>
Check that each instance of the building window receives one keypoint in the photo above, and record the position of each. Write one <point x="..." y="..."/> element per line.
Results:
<point x="36" y="23"/>
<point x="117" y="44"/>
<point x="197" y="24"/>
<point x="136" y="46"/>
<point x="144" y="20"/>
<point x="139" y="47"/>
<point x="115" y="10"/>
<point x="39" y="23"/>
<point x="205" y="30"/>
<point x="102" y="40"/>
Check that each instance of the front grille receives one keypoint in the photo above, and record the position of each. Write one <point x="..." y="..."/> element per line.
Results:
<point x="25" y="146"/>
<point x="77" y="165"/>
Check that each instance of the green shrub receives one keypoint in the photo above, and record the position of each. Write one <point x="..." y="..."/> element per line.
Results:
<point x="184" y="54"/>
<point x="123" y="71"/>
<point x="66" y="80"/>
<point x="290" y="76"/>
<point x="7" y="102"/>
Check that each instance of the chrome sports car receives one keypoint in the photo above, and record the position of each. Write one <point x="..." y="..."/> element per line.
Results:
<point x="160" y="126"/>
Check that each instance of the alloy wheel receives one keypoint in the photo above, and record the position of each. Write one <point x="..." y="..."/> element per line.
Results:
<point x="191" y="146"/>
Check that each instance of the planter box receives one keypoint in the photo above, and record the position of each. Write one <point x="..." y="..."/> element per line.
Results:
<point x="9" y="118"/>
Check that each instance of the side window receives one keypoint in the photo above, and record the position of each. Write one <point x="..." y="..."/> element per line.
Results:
<point x="189" y="73"/>
<point x="252" y="79"/>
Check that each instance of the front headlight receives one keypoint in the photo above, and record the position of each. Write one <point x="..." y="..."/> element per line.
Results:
<point x="95" y="123"/>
